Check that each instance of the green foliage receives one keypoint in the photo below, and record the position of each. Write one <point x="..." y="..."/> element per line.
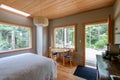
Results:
<point x="100" y="44"/>
<point x="96" y="35"/>
<point x="14" y="37"/>
<point x="104" y="37"/>
<point x="4" y="44"/>
<point x="68" y="33"/>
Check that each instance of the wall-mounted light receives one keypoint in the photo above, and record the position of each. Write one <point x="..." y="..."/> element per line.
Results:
<point x="14" y="10"/>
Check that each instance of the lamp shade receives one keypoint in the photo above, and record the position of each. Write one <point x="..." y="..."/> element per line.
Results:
<point x="40" y="21"/>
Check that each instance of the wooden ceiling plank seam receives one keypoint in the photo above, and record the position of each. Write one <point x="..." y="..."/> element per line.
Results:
<point x="31" y="5"/>
<point x="39" y="6"/>
<point x="40" y="9"/>
<point x="54" y="7"/>
<point x="61" y="12"/>
<point x="57" y="17"/>
<point x="92" y="3"/>
<point x="22" y="3"/>
<point x="16" y="4"/>
<point x="99" y="5"/>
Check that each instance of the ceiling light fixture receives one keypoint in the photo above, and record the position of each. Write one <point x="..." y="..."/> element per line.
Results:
<point x="13" y="10"/>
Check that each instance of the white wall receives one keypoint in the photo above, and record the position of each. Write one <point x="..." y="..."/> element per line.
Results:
<point x="117" y="21"/>
<point x="45" y="41"/>
<point x="42" y="40"/>
<point x="39" y="34"/>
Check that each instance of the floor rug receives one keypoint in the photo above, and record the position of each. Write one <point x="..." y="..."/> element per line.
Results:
<point x="86" y="73"/>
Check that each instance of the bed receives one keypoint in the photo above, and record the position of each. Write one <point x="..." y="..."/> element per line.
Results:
<point x="27" y="66"/>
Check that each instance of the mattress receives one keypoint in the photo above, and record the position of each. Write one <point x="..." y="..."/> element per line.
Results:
<point x="27" y="66"/>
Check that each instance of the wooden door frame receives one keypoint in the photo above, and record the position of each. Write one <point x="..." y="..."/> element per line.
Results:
<point x="83" y="36"/>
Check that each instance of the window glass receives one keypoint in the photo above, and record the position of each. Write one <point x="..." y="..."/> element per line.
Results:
<point x="70" y="37"/>
<point x="64" y="37"/>
<point x="14" y="37"/>
<point x="59" y="37"/>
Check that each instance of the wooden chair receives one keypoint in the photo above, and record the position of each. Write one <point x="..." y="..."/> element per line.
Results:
<point x="52" y="54"/>
<point x="68" y="56"/>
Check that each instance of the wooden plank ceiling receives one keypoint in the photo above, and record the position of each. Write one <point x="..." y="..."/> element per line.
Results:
<point x="53" y="9"/>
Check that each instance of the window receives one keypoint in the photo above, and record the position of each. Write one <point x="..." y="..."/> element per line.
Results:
<point x="64" y="37"/>
<point x="14" y="37"/>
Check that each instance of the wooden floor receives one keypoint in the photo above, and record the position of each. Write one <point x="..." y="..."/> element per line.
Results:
<point x="66" y="72"/>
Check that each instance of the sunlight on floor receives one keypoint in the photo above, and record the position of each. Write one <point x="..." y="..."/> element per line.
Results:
<point x="91" y="56"/>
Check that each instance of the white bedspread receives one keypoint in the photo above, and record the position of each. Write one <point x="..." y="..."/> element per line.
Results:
<point x="27" y="66"/>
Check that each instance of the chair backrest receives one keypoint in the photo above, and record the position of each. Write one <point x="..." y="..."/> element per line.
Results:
<point x="50" y="50"/>
<point x="71" y="52"/>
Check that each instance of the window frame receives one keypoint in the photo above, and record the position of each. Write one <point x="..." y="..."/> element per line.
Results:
<point x="75" y="37"/>
<point x="20" y="25"/>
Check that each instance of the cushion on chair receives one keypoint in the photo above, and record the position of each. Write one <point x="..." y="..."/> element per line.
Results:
<point x="54" y="53"/>
<point x="67" y="56"/>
